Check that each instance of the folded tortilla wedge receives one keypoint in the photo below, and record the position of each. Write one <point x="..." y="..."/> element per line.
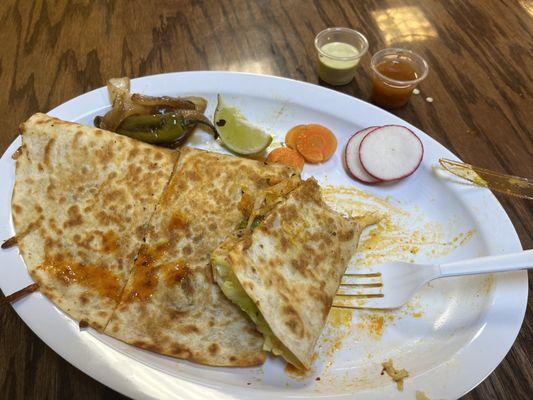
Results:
<point x="81" y="199"/>
<point x="285" y="270"/>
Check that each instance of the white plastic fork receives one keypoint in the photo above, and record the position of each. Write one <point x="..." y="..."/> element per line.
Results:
<point x="391" y="285"/>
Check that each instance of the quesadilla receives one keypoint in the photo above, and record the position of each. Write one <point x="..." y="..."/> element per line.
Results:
<point x="171" y="305"/>
<point x="284" y="269"/>
<point x="81" y="202"/>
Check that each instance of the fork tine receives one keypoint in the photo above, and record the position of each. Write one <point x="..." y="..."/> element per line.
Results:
<point x="360" y="295"/>
<point x="347" y="307"/>
<point x="350" y="306"/>
<point x="364" y="275"/>
<point x="361" y="278"/>
<point x="367" y="285"/>
<point x="359" y="305"/>
<point x="359" y="281"/>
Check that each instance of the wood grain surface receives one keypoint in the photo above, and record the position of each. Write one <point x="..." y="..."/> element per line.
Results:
<point x="480" y="57"/>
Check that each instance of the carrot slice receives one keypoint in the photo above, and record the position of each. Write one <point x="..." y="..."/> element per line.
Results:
<point x="316" y="143"/>
<point x="286" y="156"/>
<point x="290" y="138"/>
<point x="329" y="139"/>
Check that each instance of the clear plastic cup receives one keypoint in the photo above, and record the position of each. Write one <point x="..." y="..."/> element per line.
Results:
<point x="339" y="51"/>
<point x="396" y="72"/>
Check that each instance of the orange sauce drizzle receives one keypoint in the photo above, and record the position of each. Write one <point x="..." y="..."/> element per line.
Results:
<point x="174" y="272"/>
<point x="147" y="273"/>
<point x="96" y="278"/>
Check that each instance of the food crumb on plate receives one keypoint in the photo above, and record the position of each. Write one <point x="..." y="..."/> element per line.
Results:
<point x="297" y="373"/>
<point x="373" y="322"/>
<point x="397" y="375"/>
<point x="421" y="395"/>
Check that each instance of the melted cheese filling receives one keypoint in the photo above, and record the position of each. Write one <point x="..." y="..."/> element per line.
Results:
<point x="234" y="291"/>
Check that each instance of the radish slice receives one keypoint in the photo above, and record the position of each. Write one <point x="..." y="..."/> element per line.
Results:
<point x="351" y="156"/>
<point x="390" y="153"/>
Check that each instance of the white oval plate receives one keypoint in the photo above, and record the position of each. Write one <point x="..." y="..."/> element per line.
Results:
<point x="468" y="324"/>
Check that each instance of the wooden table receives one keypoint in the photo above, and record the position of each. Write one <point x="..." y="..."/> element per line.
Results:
<point x="480" y="80"/>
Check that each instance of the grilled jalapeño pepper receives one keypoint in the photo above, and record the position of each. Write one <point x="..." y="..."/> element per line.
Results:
<point x="163" y="129"/>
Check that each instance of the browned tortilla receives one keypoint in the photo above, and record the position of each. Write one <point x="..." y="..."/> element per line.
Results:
<point x="292" y="264"/>
<point x="171" y="304"/>
<point x="81" y="201"/>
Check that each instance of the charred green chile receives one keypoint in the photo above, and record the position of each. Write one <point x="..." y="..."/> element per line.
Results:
<point x="167" y="129"/>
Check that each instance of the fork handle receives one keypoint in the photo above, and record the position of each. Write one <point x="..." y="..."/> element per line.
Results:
<point x="482" y="265"/>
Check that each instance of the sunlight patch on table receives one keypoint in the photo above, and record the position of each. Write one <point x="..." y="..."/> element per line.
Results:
<point x="403" y="24"/>
<point x="260" y="66"/>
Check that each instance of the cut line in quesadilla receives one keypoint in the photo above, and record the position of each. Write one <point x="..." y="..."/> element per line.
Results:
<point x="81" y="200"/>
<point x="284" y="272"/>
<point x="171" y="305"/>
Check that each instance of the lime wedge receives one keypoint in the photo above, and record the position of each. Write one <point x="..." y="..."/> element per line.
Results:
<point x="237" y="133"/>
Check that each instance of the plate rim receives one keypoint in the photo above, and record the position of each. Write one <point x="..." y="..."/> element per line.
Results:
<point x="105" y="379"/>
